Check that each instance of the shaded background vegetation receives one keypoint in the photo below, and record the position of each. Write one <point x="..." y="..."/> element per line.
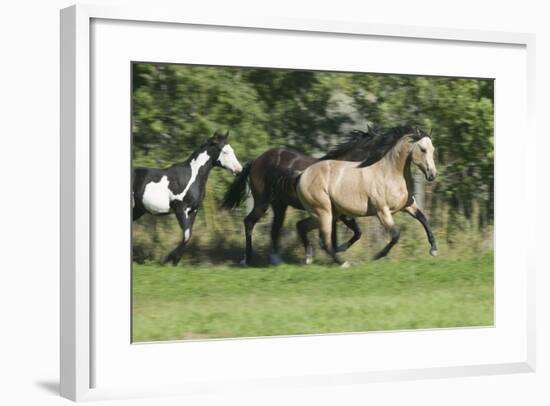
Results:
<point x="176" y="107"/>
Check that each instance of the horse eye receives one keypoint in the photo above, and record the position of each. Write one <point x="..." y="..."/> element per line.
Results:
<point x="423" y="150"/>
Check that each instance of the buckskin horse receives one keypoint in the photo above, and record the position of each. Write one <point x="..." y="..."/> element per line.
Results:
<point x="380" y="187"/>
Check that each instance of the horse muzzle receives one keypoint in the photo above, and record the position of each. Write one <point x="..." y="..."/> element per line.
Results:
<point x="237" y="170"/>
<point x="430" y="175"/>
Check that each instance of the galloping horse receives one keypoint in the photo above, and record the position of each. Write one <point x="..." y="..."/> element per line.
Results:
<point x="271" y="180"/>
<point x="335" y="188"/>
<point x="180" y="189"/>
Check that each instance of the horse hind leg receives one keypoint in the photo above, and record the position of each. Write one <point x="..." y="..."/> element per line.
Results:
<point x="353" y="225"/>
<point x="385" y="217"/>
<point x="249" y="222"/>
<point x="304" y="227"/>
<point x="279" y="211"/>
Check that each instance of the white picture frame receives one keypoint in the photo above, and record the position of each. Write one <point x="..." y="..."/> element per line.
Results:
<point x="77" y="283"/>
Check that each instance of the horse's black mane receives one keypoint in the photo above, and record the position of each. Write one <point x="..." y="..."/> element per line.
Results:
<point x="368" y="147"/>
<point x="383" y="140"/>
<point x="217" y="138"/>
<point x="352" y="148"/>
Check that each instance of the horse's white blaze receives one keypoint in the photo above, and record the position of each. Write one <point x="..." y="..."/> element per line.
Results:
<point x="156" y="196"/>
<point x="196" y="164"/>
<point x="425" y="159"/>
<point x="228" y="159"/>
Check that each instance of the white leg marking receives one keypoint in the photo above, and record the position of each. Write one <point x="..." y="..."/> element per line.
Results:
<point x="196" y="164"/>
<point x="187" y="232"/>
<point x="309" y="255"/>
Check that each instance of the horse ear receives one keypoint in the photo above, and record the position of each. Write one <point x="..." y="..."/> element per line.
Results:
<point x="421" y="133"/>
<point x="218" y="137"/>
<point x="226" y="134"/>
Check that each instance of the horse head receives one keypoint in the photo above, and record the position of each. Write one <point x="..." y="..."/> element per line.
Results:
<point x="423" y="153"/>
<point x="223" y="155"/>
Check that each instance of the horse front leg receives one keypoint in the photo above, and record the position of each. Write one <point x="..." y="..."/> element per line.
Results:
<point x="385" y="217"/>
<point x="325" y="233"/>
<point x="334" y="235"/>
<point x="353" y="225"/>
<point x="415" y="212"/>
<point x="186" y="219"/>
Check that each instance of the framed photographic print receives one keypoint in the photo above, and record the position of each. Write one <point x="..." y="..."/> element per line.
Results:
<point x="271" y="202"/>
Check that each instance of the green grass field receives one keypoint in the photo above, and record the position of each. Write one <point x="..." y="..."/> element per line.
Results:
<point x="190" y="302"/>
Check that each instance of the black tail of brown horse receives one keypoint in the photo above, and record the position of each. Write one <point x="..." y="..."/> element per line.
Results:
<point x="236" y="193"/>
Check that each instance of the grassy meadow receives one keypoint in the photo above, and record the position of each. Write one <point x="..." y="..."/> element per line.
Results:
<point x="201" y="302"/>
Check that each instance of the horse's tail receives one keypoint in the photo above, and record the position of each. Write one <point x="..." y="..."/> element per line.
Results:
<point x="236" y="193"/>
<point x="296" y="179"/>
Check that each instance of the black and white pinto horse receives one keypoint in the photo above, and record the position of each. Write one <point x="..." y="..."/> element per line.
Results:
<point x="180" y="189"/>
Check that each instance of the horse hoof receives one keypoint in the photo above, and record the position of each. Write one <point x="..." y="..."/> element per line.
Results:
<point x="345" y="265"/>
<point x="243" y="262"/>
<point x="275" y="259"/>
<point x="309" y="260"/>
<point x="433" y="253"/>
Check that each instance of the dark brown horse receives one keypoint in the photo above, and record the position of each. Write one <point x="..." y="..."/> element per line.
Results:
<point x="271" y="179"/>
